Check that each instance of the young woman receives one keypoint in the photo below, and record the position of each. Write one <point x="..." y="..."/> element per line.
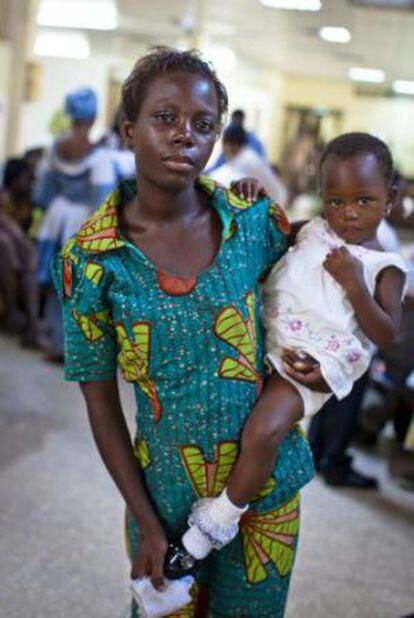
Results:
<point x="163" y="281"/>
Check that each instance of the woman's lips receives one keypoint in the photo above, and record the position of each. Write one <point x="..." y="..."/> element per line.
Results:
<point x="178" y="163"/>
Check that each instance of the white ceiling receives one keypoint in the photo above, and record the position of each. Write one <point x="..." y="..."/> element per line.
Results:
<point x="284" y="40"/>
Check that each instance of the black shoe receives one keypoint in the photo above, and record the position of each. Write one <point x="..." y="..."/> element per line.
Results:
<point x="348" y="477"/>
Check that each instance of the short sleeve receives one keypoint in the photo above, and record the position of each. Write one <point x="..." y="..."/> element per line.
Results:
<point x="277" y="234"/>
<point x="89" y="341"/>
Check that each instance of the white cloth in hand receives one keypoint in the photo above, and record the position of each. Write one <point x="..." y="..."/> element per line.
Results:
<point x="155" y="604"/>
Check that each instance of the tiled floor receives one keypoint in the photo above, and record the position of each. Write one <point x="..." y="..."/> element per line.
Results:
<point x="61" y="520"/>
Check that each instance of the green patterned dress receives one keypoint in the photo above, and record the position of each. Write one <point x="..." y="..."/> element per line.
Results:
<point x="193" y="350"/>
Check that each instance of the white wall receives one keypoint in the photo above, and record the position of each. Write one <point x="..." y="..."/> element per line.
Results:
<point x="262" y="93"/>
<point x="391" y="119"/>
<point x="4" y="87"/>
<point x="258" y="93"/>
<point x="57" y="77"/>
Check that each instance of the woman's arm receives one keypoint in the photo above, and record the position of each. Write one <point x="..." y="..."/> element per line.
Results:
<point x="114" y="445"/>
<point x="378" y="317"/>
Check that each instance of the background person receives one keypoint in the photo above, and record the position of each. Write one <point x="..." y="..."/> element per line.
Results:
<point x="237" y="120"/>
<point x="242" y="161"/>
<point x="72" y="181"/>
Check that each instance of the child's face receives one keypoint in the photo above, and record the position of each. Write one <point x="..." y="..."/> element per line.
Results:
<point x="355" y="196"/>
<point x="175" y="131"/>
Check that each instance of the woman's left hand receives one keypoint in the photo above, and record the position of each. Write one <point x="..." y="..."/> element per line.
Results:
<point x="305" y="370"/>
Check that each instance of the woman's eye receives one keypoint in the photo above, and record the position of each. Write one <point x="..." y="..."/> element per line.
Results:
<point x="166" y="117"/>
<point x="205" y="126"/>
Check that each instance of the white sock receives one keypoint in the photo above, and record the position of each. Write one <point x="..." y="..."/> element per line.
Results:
<point x="224" y="511"/>
<point x="196" y="543"/>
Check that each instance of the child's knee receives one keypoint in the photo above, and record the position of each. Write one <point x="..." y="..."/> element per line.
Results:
<point x="261" y="436"/>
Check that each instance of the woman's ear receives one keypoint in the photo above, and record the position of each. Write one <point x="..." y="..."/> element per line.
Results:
<point x="127" y="132"/>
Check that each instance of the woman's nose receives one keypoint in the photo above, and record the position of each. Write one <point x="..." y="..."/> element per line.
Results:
<point x="184" y="134"/>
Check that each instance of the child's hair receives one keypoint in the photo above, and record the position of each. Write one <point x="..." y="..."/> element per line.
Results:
<point x="351" y="144"/>
<point x="162" y="60"/>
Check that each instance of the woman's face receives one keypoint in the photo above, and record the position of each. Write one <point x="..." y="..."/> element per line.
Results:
<point x="175" y="131"/>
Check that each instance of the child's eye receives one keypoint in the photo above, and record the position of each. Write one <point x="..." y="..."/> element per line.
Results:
<point x="364" y="201"/>
<point x="335" y="202"/>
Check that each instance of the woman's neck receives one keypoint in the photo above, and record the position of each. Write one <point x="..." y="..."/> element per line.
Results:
<point x="156" y="204"/>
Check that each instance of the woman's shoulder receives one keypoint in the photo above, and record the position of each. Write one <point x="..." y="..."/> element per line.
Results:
<point x="99" y="235"/>
<point x="263" y="208"/>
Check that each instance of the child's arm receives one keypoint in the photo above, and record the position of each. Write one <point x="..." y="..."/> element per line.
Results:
<point x="249" y="189"/>
<point x="380" y="316"/>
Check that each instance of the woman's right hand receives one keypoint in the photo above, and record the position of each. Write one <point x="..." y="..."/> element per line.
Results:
<point x="149" y="559"/>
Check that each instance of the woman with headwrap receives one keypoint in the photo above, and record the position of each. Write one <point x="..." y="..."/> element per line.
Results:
<point x="74" y="177"/>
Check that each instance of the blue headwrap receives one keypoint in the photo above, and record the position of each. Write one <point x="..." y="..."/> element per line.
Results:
<point x="81" y="104"/>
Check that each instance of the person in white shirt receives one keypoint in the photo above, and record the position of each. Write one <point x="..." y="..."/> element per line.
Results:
<point x="243" y="161"/>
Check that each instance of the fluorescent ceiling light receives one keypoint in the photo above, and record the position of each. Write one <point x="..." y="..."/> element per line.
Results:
<point x="73" y="45"/>
<point x="335" y="34"/>
<point x="88" y="14"/>
<point x="359" y="74"/>
<point x="403" y="86"/>
<point x="293" y="5"/>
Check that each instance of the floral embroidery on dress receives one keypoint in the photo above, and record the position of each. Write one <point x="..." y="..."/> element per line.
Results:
<point x="353" y="356"/>
<point x="332" y="344"/>
<point x="295" y="325"/>
<point x="309" y="333"/>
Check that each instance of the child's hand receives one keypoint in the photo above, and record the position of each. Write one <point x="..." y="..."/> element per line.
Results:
<point x="346" y="269"/>
<point x="248" y="189"/>
<point x="304" y="369"/>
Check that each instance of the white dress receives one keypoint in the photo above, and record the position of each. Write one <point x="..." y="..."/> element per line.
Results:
<point x="305" y="309"/>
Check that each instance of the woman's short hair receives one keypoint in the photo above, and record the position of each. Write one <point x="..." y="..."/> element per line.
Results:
<point x="353" y="144"/>
<point x="162" y="60"/>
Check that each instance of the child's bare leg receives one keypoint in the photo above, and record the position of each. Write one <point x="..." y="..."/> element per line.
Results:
<point x="214" y="521"/>
<point x="279" y="408"/>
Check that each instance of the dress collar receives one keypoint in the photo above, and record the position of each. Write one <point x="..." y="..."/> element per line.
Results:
<point x="101" y="232"/>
